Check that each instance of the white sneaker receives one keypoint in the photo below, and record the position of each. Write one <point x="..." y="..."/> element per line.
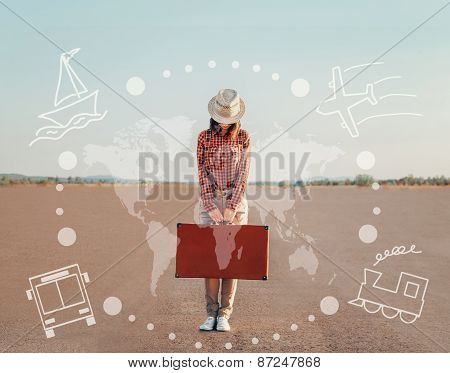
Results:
<point x="209" y="324"/>
<point x="222" y="324"/>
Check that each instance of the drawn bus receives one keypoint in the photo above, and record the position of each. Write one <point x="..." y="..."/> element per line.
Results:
<point x="409" y="293"/>
<point x="61" y="298"/>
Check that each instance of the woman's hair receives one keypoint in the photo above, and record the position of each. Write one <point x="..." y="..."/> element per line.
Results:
<point x="233" y="130"/>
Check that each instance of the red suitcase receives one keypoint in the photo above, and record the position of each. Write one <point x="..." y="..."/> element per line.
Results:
<point x="222" y="251"/>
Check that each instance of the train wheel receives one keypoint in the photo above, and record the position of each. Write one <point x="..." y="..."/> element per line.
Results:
<point x="389" y="312"/>
<point x="371" y="307"/>
<point x="408" y="318"/>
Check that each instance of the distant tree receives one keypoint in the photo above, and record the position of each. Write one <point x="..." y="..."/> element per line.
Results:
<point x="441" y="180"/>
<point x="410" y="180"/>
<point x="5" y="181"/>
<point x="364" y="180"/>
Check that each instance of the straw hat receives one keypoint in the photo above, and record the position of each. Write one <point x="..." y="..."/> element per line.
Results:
<point x="227" y="106"/>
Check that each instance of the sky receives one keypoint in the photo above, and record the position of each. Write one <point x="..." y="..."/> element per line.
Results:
<point x="296" y="40"/>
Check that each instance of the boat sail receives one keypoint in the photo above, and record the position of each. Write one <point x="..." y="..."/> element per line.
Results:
<point x="67" y="76"/>
<point x="75" y="107"/>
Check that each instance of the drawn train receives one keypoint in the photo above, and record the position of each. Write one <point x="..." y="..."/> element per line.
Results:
<point x="405" y="301"/>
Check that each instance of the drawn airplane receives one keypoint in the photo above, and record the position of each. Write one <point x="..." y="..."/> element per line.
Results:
<point x="341" y="99"/>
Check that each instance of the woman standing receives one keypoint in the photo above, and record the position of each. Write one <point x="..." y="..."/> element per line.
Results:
<point x="223" y="156"/>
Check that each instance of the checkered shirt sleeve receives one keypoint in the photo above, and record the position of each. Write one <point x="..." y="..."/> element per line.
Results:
<point x="242" y="171"/>
<point x="206" y="190"/>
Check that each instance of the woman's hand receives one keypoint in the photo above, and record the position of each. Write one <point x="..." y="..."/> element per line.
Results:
<point x="216" y="215"/>
<point x="228" y="215"/>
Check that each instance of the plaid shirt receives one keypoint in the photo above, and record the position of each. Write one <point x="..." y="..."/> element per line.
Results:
<point x="223" y="163"/>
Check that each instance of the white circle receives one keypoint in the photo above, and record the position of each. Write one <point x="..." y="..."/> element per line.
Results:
<point x="256" y="68"/>
<point x="112" y="306"/>
<point x="59" y="211"/>
<point x="172" y="336"/>
<point x="188" y="68"/>
<point x="198" y="345"/>
<point x="228" y="345"/>
<point x="67" y="236"/>
<point x="150" y="326"/>
<point x="365" y="160"/>
<point x="376" y="211"/>
<point x="212" y="64"/>
<point x="131" y="318"/>
<point x="311" y="318"/>
<point x="375" y="186"/>
<point x="300" y="87"/>
<point x="235" y="64"/>
<point x="67" y="160"/>
<point x="135" y="86"/>
<point x="368" y="233"/>
<point x="255" y="340"/>
<point x="276" y="336"/>
<point x="275" y="76"/>
<point x="59" y="187"/>
<point x="294" y="327"/>
<point x="329" y="305"/>
<point x="166" y="73"/>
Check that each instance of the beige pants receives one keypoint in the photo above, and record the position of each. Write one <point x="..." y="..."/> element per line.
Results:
<point x="228" y="286"/>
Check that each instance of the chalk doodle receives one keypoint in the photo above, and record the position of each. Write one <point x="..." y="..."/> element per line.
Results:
<point x="342" y="102"/>
<point x="75" y="107"/>
<point x="409" y="292"/>
<point x="61" y="298"/>
<point x="396" y="250"/>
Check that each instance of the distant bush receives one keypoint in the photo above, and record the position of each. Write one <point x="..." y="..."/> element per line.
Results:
<point x="4" y="181"/>
<point x="359" y="180"/>
<point x="364" y="180"/>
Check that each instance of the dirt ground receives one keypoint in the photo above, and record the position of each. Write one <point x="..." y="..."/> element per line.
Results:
<point x="111" y="247"/>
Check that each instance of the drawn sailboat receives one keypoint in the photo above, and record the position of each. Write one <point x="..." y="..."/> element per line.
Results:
<point x="75" y="107"/>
